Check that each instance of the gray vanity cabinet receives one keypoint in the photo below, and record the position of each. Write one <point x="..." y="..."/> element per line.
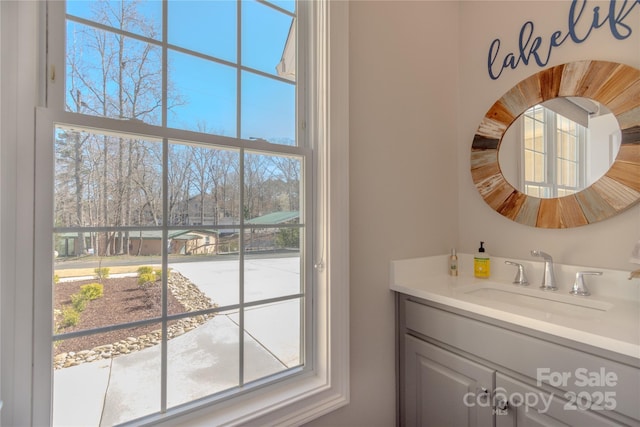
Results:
<point x="436" y="383"/>
<point x="458" y="369"/>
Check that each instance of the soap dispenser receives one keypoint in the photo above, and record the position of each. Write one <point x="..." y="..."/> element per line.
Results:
<point x="481" y="263"/>
<point x="453" y="263"/>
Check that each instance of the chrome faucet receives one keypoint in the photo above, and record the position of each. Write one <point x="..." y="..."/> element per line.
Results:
<point x="549" y="278"/>
<point x="579" y="286"/>
<point x="521" y="278"/>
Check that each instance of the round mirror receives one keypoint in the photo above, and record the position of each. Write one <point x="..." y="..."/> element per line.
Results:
<point x="537" y="197"/>
<point x="559" y="147"/>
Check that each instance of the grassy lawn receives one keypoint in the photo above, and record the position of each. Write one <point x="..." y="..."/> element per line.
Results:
<point x="77" y="272"/>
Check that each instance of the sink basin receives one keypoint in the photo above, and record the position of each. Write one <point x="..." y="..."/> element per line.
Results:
<point x="537" y="299"/>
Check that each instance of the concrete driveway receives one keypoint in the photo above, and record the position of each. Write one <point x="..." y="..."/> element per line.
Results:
<point x="200" y="362"/>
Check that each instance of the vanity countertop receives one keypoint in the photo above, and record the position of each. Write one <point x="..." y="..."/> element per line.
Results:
<point x="608" y="319"/>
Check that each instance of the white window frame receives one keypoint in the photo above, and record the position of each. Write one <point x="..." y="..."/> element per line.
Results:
<point x="25" y="236"/>
<point x="551" y="142"/>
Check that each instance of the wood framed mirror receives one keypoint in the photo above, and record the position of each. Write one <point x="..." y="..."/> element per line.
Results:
<point x="614" y="85"/>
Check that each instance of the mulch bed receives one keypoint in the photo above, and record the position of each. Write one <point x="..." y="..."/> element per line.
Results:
<point x="123" y="301"/>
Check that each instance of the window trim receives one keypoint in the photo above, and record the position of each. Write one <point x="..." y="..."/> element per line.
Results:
<point x="292" y="401"/>
<point x="551" y="135"/>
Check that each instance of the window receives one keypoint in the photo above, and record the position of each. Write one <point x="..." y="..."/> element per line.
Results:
<point x="136" y="168"/>
<point x="554" y="147"/>
<point x="178" y="319"/>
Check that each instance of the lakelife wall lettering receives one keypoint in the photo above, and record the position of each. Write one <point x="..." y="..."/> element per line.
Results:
<point x="583" y="19"/>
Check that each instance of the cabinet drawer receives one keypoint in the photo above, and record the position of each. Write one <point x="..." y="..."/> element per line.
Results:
<point x="544" y="361"/>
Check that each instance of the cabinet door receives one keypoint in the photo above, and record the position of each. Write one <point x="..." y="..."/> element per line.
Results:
<point x="444" y="389"/>
<point x="532" y="407"/>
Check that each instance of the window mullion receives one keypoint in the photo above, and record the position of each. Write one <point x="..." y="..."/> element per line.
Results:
<point x="241" y="296"/>
<point x="110" y="29"/>
<point x="165" y="215"/>
<point x="241" y="237"/>
<point x="165" y="275"/>
<point x="550" y="133"/>
<point x="239" y="70"/>
<point x="165" y="62"/>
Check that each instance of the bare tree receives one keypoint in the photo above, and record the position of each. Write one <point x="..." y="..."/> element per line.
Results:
<point x="112" y="75"/>
<point x="287" y="169"/>
<point x="224" y="175"/>
<point x="201" y="163"/>
<point x="106" y="180"/>
<point x="179" y="177"/>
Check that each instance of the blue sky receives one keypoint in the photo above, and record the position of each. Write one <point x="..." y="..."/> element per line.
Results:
<point x="210" y="88"/>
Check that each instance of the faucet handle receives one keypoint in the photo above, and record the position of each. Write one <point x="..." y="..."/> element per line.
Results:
<point x="542" y="255"/>
<point x="521" y="278"/>
<point x="579" y="286"/>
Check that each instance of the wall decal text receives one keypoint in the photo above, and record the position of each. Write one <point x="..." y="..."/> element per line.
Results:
<point x="582" y="20"/>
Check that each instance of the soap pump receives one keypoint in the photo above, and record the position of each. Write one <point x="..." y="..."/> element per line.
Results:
<point x="453" y="263"/>
<point x="481" y="263"/>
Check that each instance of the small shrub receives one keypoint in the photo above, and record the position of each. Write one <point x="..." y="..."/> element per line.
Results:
<point x="147" y="274"/>
<point x="70" y="317"/>
<point x="102" y="273"/>
<point x="146" y="278"/>
<point x="56" y="279"/>
<point x="92" y="291"/>
<point x="288" y="238"/>
<point x="145" y="269"/>
<point x="79" y="302"/>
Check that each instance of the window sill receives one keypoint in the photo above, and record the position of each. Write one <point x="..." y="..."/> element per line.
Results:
<point x="291" y="402"/>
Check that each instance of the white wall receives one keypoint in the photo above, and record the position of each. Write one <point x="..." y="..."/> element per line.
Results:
<point x="607" y="244"/>
<point x="606" y="138"/>
<point x="402" y="176"/>
<point x="408" y="62"/>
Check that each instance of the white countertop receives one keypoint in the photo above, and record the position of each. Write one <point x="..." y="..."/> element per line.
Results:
<point x="615" y="327"/>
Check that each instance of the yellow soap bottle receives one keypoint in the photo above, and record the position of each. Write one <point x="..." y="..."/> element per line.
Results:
<point x="482" y="263"/>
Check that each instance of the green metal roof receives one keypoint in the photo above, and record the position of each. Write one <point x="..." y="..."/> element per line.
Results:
<point x="275" y="218"/>
<point x="173" y="234"/>
<point x="153" y="234"/>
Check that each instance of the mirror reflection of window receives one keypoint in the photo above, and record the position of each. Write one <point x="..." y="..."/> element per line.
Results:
<point x="554" y="147"/>
<point x="559" y="147"/>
